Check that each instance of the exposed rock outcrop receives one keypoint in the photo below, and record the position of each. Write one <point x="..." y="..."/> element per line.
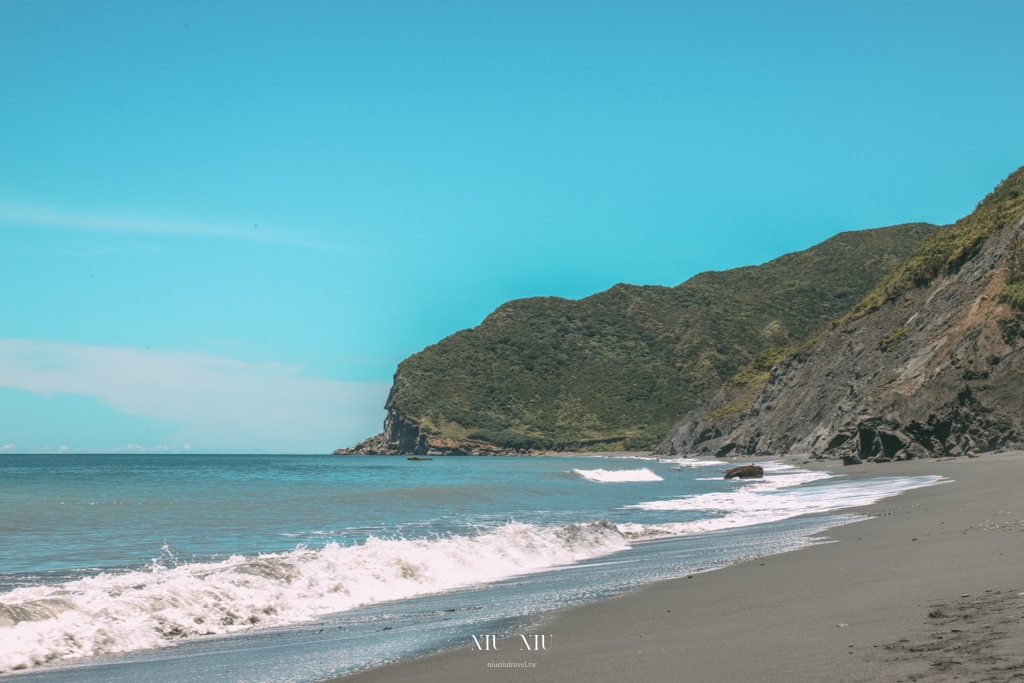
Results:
<point x="402" y="436"/>
<point x="936" y="371"/>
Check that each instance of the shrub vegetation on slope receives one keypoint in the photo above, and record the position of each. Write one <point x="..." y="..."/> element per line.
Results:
<point x="617" y="369"/>
<point x="945" y="250"/>
<point x="1013" y="293"/>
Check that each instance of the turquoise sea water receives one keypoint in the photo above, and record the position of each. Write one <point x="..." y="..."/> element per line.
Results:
<point x="272" y="568"/>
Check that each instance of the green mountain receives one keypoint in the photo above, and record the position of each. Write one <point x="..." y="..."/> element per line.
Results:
<point x="928" y="364"/>
<point x="617" y="369"/>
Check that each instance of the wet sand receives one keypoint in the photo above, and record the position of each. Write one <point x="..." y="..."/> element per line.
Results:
<point x="925" y="589"/>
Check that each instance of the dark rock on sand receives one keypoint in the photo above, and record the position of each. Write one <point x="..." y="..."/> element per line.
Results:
<point x="745" y="472"/>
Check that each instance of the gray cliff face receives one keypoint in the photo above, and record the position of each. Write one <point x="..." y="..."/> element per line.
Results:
<point x="939" y="371"/>
<point x="402" y="436"/>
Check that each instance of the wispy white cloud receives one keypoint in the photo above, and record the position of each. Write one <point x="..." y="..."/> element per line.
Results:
<point x="8" y="447"/>
<point x="27" y="214"/>
<point x="223" y="404"/>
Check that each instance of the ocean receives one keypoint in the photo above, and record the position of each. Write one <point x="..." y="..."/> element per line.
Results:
<point x="272" y="568"/>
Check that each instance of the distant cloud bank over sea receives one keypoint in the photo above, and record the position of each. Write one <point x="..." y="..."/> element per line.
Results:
<point x="193" y="402"/>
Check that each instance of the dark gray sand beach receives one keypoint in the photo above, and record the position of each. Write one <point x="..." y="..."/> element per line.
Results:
<point x="926" y="589"/>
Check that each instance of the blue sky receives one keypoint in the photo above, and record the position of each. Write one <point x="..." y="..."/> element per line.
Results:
<point x="222" y="225"/>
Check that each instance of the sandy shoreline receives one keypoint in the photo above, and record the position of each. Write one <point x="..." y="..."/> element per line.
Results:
<point x="894" y="581"/>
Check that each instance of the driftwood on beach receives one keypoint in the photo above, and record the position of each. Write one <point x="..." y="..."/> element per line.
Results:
<point x="745" y="472"/>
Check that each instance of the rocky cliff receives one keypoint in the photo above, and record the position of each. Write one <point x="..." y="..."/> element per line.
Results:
<point x="402" y="436"/>
<point x="616" y="370"/>
<point x="930" y="364"/>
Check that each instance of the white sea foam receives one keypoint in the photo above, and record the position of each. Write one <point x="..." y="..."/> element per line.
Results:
<point x="606" y="476"/>
<point x="776" y="497"/>
<point x="153" y="608"/>
<point x="692" y="462"/>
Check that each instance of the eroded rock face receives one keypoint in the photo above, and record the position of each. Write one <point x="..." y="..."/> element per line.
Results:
<point x="936" y="372"/>
<point x="402" y="436"/>
<point x="745" y="472"/>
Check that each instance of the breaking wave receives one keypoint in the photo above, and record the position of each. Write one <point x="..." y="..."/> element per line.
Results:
<point x="154" y="607"/>
<point x="692" y="462"/>
<point x="776" y="497"/>
<point x="607" y="476"/>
